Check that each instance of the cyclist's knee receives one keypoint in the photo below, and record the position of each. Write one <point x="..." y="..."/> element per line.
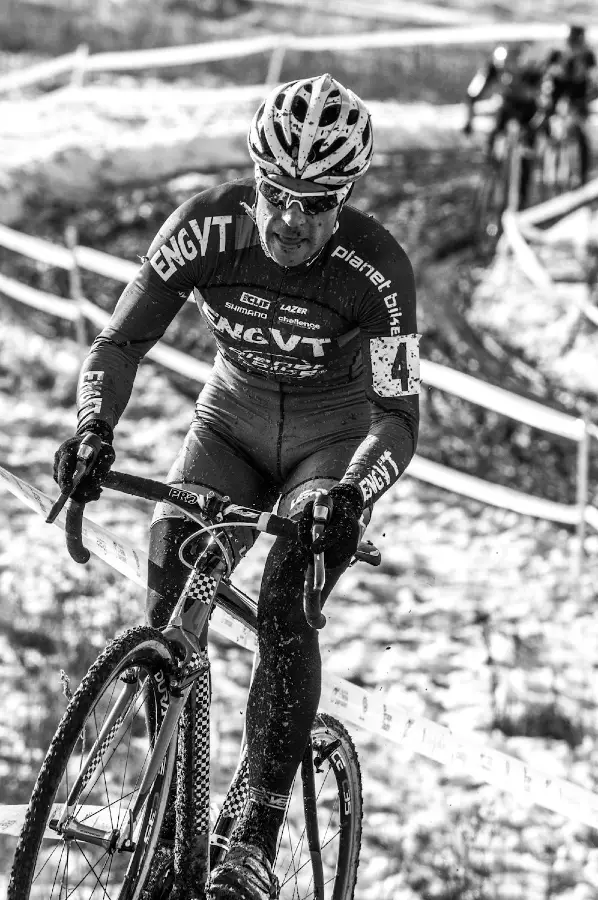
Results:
<point x="166" y="573"/>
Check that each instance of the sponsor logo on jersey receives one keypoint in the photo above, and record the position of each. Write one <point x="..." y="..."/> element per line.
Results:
<point x="252" y="300"/>
<point x="250" y="334"/>
<point x="377" y="279"/>
<point x="296" y="368"/>
<point x="189" y="240"/>
<point x="351" y="258"/>
<point x="91" y="393"/>
<point x="381" y="475"/>
<point x="296" y="310"/>
<point x="246" y="312"/>
<point x="288" y="321"/>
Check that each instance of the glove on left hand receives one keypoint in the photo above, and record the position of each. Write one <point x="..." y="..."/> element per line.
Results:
<point x="340" y="537"/>
<point x="65" y="461"/>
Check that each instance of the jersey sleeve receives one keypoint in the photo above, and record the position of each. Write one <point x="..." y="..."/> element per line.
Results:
<point x="144" y="311"/>
<point x="390" y="347"/>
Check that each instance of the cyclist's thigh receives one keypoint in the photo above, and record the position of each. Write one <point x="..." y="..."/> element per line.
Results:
<point x="207" y="462"/>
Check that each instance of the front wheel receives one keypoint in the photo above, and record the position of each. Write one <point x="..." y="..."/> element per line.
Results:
<point x="80" y="839"/>
<point x="325" y="812"/>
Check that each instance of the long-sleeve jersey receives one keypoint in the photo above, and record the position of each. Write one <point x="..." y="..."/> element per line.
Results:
<point x="348" y="316"/>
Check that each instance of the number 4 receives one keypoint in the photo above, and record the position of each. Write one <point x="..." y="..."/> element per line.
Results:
<point x="400" y="369"/>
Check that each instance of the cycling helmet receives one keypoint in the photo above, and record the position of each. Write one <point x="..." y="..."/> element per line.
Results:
<point x="576" y="34"/>
<point x="315" y="129"/>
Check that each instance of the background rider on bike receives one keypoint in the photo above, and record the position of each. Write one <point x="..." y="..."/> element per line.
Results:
<point x="569" y="73"/>
<point x="516" y="75"/>
<point x="315" y="385"/>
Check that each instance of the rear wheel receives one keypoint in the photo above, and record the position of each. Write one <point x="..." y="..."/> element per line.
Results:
<point x="88" y="850"/>
<point x="325" y="806"/>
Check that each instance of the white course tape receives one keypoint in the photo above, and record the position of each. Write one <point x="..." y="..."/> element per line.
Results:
<point x="167" y="356"/>
<point x="49" y="303"/>
<point x="358" y="706"/>
<point x="492" y="397"/>
<point x="496" y="494"/>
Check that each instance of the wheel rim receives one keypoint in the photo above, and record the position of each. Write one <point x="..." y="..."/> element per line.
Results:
<point x="73" y="868"/>
<point x="338" y="808"/>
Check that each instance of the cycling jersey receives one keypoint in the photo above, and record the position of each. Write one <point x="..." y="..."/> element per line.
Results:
<point x="517" y="82"/>
<point x="569" y="71"/>
<point x="347" y="316"/>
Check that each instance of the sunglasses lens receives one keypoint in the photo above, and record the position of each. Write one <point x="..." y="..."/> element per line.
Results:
<point x="273" y="194"/>
<point x="315" y="205"/>
<point x="281" y="198"/>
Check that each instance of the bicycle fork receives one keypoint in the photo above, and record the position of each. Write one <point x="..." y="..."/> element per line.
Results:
<point x="187" y="628"/>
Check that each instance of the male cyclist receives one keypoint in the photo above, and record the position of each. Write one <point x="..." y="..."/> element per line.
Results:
<point x="516" y="76"/>
<point x="315" y="385"/>
<point x="569" y="74"/>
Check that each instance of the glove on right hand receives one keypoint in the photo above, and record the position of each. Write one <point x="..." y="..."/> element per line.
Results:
<point x="340" y="537"/>
<point x="65" y="462"/>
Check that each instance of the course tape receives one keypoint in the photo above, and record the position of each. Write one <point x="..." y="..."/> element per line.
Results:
<point x="131" y="60"/>
<point x="361" y="707"/>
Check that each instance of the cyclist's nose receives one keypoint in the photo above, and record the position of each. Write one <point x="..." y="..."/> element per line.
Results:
<point x="293" y="216"/>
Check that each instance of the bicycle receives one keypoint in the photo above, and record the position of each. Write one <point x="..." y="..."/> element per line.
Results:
<point x="504" y="184"/>
<point x="142" y="712"/>
<point x="559" y="153"/>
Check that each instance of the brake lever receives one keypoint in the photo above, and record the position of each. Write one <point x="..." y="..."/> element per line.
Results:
<point x="86" y="456"/>
<point x="312" y="594"/>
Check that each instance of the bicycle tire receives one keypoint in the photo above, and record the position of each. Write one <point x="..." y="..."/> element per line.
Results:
<point x="136" y="664"/>
<point x="489" y="207"/>
<point x="574" y="156"/>
<point x="339" y="806"/>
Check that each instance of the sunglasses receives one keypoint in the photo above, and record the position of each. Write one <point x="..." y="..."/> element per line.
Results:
<point x="311" y="204"/>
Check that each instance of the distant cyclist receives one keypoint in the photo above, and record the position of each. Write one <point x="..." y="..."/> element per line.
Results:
<point x="516" y="75"/>
<point x="315" y="385"/>
<point x="570" y="73"/>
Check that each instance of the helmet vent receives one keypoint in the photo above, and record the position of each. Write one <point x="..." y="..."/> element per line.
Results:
<point x="299" y="108"/>
<point x="280" y="135"/>
<point x="329" y="115"/>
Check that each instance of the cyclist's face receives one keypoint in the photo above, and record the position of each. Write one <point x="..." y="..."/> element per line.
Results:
<point x="291" y="235"/>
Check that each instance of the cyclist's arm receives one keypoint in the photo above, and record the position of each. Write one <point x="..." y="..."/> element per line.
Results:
<point x="390" y="345"/>
<point x="144" y="311"/>
<point x="480" y="83"/>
